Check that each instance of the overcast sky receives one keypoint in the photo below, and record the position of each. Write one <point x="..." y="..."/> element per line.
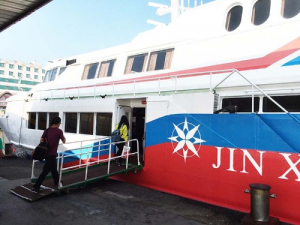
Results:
<point x="65" y="28"/>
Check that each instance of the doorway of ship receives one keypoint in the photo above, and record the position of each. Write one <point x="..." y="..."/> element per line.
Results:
<point x="138" y="131"/>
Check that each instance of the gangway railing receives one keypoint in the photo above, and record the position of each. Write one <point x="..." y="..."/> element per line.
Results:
<point x="90" y="159"/>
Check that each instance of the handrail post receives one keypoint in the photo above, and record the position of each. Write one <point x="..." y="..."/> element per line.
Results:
<point x="32" y="170"/>
<point x="94" y="90"/>
<point x="134" y="88"/>
<point x="61" y="169"/>
<point x="78" y="92"/>
<point x="87" y="163"/>
<point x="159" y="86"/>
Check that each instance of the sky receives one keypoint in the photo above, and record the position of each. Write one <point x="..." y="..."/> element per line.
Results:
<point x="65" y="28"/>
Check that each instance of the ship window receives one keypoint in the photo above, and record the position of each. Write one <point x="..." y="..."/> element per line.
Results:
<point x="106" y="68"/>
<point x="86" y="123"/>
<point x="46" y="78"/>
<point x="61" y="70"/>
<point x="233" y="105"/>
<point x="290" y="103"/>
<point x="71" y="123"/>
<point x="136" y="64"/>
<point x="89" y="71"/>
<point x="42" y="121"/>
<point x="290" y="8"/>
<point x="53" y="74"/>
<point x="51" y="116"/>
<point x="31" y="120"/>
<point x="103" y="124"/>
<point x="234" y="18"/>
<point x="261" y="11"/>
<point x="160" y="60"/>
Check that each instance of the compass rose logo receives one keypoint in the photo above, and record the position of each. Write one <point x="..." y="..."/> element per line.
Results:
<point x="184" y="136"/>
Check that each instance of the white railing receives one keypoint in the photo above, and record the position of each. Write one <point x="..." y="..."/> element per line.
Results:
<point x="133" y="82"/>
<point x="86" y="162"/>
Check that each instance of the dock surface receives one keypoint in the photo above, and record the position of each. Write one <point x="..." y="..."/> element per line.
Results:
<point x="102" y="202"/>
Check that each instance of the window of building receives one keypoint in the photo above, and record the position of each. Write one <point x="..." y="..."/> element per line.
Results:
<point x="1" y="64"/>
<point x="27" y="68"/>
<point x="136" y="64"/>
<point x="233" y="105"/>
<point x="19" y="67"/>
<point x="27" y="75"/>
<point x="86" y="123"/>
<point x="1" y="71"/>
<point x="261" y="11"/>
<point x="290" y="8"/>
<point x="11" y="66"/>
<point x="106" y="68"/>
<point x="42" y="121"/>
<point x="11" y="73"/>
<point x="53" y="74"/>
<point x="89" y="71"/>
<point x="160" y="60"/>
<point x="103" y="124"/>
<point x="31" y="120"/>
<point x="36" y="77"/>
<point x="290" y="103"/>
<point x="36" y="70"/>
<point x="234" y="18"/>
<point x="71" y="123"/>
<point x="43" y="71"/>
<point x="62" y="70"/>
<point x="51" y="116"/>
<point x="20" y="75"/>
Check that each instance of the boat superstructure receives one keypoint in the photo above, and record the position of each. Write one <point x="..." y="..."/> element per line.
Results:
<point x="219" y="92"/>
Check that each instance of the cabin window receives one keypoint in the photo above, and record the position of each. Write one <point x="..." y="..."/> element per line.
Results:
<point x="46" y="78"/>
<point x="86" y="123"/>
<point x="290" y="103"/>
<point x="51" y="116"/>
<point x="234" y="105"/>
<point x="234" y="18"/>
<point x="103" y="124"/>
<point x="106" y="68"/>
<point x="53" y="74"/>
<point x="261" y="11"/>
<point x="61" y="70"/>
<point x="290" y="8"/>
<point x="71" y="123"/>
<point x="160" y="60"/>
<point x="42" y="121"/>
<point x="89" y="71"/>
<point x="136" y="64"/>
<point x="31" y="120"/>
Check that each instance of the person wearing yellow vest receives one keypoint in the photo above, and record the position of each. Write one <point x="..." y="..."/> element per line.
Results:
<point x="123" y="127"/>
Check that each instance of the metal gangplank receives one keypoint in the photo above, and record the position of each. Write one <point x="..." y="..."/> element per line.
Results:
<point x="81" y="165"/>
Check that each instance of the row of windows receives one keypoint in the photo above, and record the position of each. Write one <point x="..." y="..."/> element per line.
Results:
<point x="11" y="66"/>
<point x="290" y="103"/>
<point x="261" y="13"/>
<point x="78" y="123"/>
<point x="16" y="81"/>
<point x="135" y="64"/>
<point x="2" y="72"/>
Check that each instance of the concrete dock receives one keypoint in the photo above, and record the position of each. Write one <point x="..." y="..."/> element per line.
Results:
<point x="103" y="202"/>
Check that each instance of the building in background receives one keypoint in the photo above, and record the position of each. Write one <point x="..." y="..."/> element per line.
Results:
<point x="17" y="76"/>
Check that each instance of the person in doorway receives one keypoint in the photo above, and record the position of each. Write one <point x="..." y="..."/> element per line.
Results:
<point x="54" y="135"/>
<point x="140" y="124"/>
<point x="123" y="126"/>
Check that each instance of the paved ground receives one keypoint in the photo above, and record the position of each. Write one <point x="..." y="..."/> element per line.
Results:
<point x="104" y="202"/>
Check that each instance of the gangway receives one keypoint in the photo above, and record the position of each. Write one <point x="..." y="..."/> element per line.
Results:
<point x="89" y="163"/>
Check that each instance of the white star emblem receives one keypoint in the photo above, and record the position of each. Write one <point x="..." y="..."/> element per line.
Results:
<point x="184" y="139"/>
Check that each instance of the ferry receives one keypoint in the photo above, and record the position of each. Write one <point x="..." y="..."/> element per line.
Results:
<point x="218" y="89"/>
